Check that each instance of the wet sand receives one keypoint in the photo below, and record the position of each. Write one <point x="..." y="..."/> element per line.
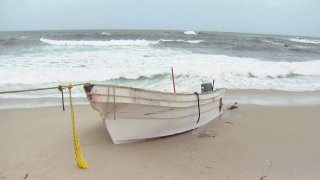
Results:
<point x="279" y="142"/>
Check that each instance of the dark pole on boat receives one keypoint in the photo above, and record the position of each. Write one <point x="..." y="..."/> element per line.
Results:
<point x="173" y="83"/>
<point x="213" y="84"/>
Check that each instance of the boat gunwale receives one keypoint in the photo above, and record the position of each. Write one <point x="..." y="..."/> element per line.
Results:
<point x="201" y="102"/>
<point x="153" y="91"/>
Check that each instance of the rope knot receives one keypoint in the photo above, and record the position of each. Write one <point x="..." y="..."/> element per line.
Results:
<point x="60" y="88"/>
<point x="69" y="86"/>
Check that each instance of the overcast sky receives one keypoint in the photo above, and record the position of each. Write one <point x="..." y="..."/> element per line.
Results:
<point x="289" y="17"/>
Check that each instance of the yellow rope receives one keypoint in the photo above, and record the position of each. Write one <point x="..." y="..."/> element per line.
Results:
<point x="79" y="159"/>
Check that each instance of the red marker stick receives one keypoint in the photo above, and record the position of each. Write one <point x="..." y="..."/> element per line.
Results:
<point x="173" y="83"/>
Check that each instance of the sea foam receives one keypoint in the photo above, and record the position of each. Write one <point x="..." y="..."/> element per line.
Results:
<point x="138" y="42"/>
<point x="143" y="59"/>
<point x="191" y="69"/>
<point x="181" y="41"/>
<point x="307" y="41"/>
<point x="274" y="43"/>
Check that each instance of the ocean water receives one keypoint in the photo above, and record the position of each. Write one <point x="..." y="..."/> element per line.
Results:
<point x="143" y="59"/>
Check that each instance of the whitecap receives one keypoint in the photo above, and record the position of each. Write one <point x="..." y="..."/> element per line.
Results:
<point x="138" y="42"/>
<point x="106" y="33"/>
<point x="307" y="41"/>
<point x="274" y="43"/>
<point x="181" y="41"/>
<point x="190" y="32"/>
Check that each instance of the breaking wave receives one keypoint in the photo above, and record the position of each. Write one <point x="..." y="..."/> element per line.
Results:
<point x="106" y="33"/>
<point x="143" y="59"/>
<point x="190" y="32"/>
<point x="307" y="41"/>
<point x="138" y="42"/>
<point x="180" y="41"/>
<point x="151" y="71"/>
<point x="271" y="42"/>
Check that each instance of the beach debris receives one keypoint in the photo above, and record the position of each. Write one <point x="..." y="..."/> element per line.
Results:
<point x="26" y="176"/>
<point x="228" y="122"/>
<point x="233" y="106"/>
<point x="263" y="177"/>
<point x="210" y="133"/>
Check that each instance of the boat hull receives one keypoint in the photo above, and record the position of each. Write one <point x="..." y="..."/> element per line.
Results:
<point x="132" y="114"/>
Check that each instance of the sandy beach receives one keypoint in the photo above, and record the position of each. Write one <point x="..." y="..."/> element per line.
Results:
<point x="279" y="142"/>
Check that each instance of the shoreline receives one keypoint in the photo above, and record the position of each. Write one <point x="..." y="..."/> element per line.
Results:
<point x="246" y="143"/>
<point x="248" y="97"/>
<point x="273" y="97"/>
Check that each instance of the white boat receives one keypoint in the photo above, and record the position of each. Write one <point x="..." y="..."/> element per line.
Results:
<point x="132" y="114"/>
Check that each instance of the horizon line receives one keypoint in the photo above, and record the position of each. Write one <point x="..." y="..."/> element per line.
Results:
<point x="129" y="29"/>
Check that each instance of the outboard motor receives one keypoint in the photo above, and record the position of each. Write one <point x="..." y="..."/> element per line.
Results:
<point x="206" y="87"/>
